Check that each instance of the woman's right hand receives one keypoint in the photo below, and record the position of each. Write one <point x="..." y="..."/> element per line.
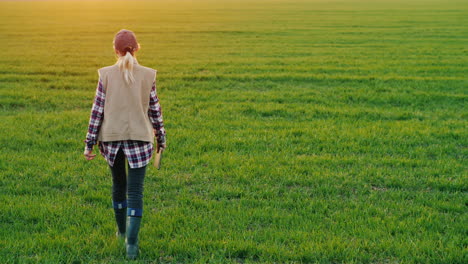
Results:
<point x="89" y="154"/>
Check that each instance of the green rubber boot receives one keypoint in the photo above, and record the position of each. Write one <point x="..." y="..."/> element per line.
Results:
<point x="120" y="218"/>
<point x="131" y="241"/>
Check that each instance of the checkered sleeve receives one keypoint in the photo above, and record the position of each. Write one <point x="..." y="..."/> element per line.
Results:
<point x="155" y="115"/>
<point x="96" y="117"/>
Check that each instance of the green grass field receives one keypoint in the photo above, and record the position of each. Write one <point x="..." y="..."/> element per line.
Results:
<point x="298" y="131"/>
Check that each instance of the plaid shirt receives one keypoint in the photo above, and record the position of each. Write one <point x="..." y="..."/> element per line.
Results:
<point x="138" y="153"/>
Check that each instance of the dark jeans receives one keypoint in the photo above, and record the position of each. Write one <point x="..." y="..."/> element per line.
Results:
<point x="128" y="190"/>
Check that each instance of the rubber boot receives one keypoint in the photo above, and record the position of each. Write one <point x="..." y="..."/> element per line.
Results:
<point x="131" y="242"/>
<point x="120" y="218"/>
<point x="120" y="212"/>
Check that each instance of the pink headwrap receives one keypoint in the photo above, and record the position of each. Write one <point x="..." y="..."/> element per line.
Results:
<point x="125" y="40"/>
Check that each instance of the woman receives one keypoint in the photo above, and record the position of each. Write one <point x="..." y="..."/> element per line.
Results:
<point x="125" y="117"/>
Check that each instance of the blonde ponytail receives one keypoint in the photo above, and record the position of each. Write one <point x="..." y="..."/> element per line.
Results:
<point x="126" y="66"/>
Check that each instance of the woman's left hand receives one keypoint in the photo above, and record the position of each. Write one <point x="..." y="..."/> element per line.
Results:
<point x="161" y="147"/>
<point x="89" y="154"/>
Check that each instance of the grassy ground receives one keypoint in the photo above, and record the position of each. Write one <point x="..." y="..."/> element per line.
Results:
<point x="298" y="131"/>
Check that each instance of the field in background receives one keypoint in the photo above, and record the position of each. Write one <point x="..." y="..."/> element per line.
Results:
<point x="298" y="131"/>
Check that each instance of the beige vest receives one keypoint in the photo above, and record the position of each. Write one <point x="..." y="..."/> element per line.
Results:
<point x="126" y="106"/>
